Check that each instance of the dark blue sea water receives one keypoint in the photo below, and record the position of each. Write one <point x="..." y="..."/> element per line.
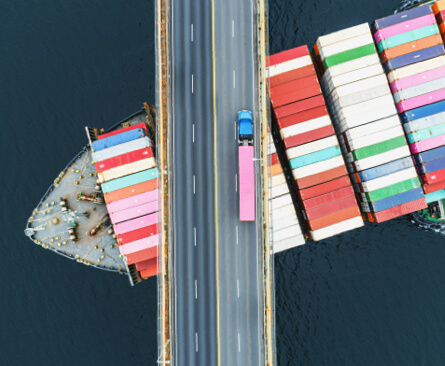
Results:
<point x="371" y="297"/>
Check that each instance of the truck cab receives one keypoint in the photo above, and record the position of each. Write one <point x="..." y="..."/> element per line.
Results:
<point x="245" y="128"/>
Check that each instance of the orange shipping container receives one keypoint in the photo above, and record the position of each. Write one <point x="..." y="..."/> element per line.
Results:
<point x="131" y="191"/>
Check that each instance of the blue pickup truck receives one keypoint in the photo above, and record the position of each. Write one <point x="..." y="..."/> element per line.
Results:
<point x="245" y="128"/>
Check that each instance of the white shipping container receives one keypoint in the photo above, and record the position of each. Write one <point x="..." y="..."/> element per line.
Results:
<point x="346" y="45"/>
<point x="376" y="138"/>
<point x="120" y="149"/>
<point x="290" y="65"/>
<point x="281" y="201"/>
<point x="426" y="122"/>
<point x="361" y="96"/>
<point x="306" y="126"/>
<point x="416" y="68"/>
<point x="373" y="127"/>
<point x="365" y="84"/>
<point x="386" y="157"/>
<point x="284" y="211"/>
<point x="288" y="232"/>
<point x="343" y="34"/>
<point x="352" y="76"/>
<point x="389" y="179"/>
<point x="311" y="147"/>
<point x="271" y="149"/>
<point x="365" y="107"/>
<point x="285" y="222"/>
<point x="278" y="180"/>
<point x="282" y="245"/>
<point x="338" y="228"/>
<point x="420" y="89"/>
<point x="356" y="64"/>
<point x="279" y="190"/>
<point x="318" y="167"/>
<point x="127" y="169"/>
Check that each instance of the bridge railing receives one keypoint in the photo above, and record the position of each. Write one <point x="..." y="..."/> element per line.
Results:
<point x="264" y="112"/>
<point x="162" y="156"/>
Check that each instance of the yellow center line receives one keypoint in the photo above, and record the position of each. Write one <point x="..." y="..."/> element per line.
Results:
<point x="216" y="182"/>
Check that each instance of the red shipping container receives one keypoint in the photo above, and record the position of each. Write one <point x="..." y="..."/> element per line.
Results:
<point x="331" y="207"/>
<point x="124" y="129"/>
<point x="140" y="266"/>
<point x="433" y="177"/>
<point x="300" y="84"/>
<point x="274" y="159"/>
<point x="396" y="211"/>
<point x="285" y="77"/>
<point x="328" y="175"/>
<point x="303" y="116"/>
<point x="294" y="95"/>
<point x="323" y="188"/>
<point x="300" y="106"/>
<point x="142" y="255"/>
<point x="310" y="136"/>
<point x="334" y="218"/>
<point x="149" y="272"/>
<point x="131" y="191"/>
<point x="326" y="198"/>
<point x="287" y="55"/>
<point x="138" y="234"/>
<point x="430" y="188"/>
<point x="123" y="159"/>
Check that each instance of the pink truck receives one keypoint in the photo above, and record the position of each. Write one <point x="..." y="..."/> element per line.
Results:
<point x="246" y="167"/>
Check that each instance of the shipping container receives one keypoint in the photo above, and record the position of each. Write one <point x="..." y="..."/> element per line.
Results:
<point x="136" y="126"/>
<point x="397" y="211"/>
<point x="342" y="35"/>
<point x="403" y="27"/>
<point x="436" y="196"/>
<point x="427" y="144"/>
<point x="278" y="191"/>
<point x="303" y="116"/>
<point x="311" y="147"/>
<point x="130" y="191"/>
<point x="329" y="208"/>
<point x="300" y="106"/>
<point x="134" y="212"/>
<point x="321" y="177"/>
<point x="304" y="84"/>
<point x="356" y="64"/>
<point x="140" y="266"/>
<point x="430" y="188"/>
<point x="150" y="272"/>
<point x="431" y="166"/>
<point x="378" y="148"/>
<point x="422" y="123"/>
<point x="129" y="180"/>
<point x="318" y="167"/>
<point x="139" y="245"/>
<point x="385" y="169"/>
<point x="315" y="157"/>
<point x="416" y="68"/>
<point x="422" y="112"/>
<point x="286" y="233"/>
<point x="118" y="139"/>
<point x="278" y="180"/>
<point x="142" y="255"/>
<point x="309" y="136"/>
<point x="420" y="89"/>
<point x="121" y="149"/>
<point x="327" y="198"/>
<point x="133" y="201"/>
<point x="413" y="57"/>
<point x="281" y="201"/>
<point x="393" y="201"/>
<point x="287" y="55"/>
<point x="421" y="100"/>
<point x="137" y="234"/>
<point x="432" y="178"/>
<point x="282" y="245"/>
<point x="127" y="169"/>
<point x="407" y="37"/>
<point x="323" y="188"/>
<point x="349" y="55"/>
<point x="346" y="45"/>
<point x="430" y="155"/>
<point x="375" y="138"/>
<point x="246" y="183"/>
<point x="358" y="96"/>
<point x="373" y="127"/>
<point x="287" y="66"/>
<point x="285" y="222"/>
<point x="140" y="222"/>
<point x="303" y="127"/>
<point x="426" y="133"/>
<point x="279" y="213"/>
<point x="336" y="229"/>
<point x="391" y="190"/>
<point x="334" y="218"/>
<point x="380" y="159"/>
<point x="294" y="94"/>
<point x="401" y="17"/>
<point x="128" y="158"/>
<point x="296" y="74"/>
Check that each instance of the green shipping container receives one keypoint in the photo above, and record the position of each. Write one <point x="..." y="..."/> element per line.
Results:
<point x="381" y="147"/>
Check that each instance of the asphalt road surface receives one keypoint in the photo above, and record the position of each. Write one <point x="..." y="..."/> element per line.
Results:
<point x="194" y="173"/>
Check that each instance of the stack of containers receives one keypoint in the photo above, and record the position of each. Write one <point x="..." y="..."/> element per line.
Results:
<point x="367" y="125"/>
<point x="324" y="192"/>
<point x="285" y="225"/>
<point x="412" y="51"/>
<point x="439" y="12"/>
<point x="127" y="172"/>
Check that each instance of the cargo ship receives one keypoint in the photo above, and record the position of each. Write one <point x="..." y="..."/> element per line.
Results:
<point x="72" y="218"/>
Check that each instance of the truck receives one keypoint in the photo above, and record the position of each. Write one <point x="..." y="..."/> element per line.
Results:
<point x="246" y="167"/>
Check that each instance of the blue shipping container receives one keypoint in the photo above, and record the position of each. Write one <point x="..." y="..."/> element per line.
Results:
<point x="385" y="169"/>
<point x="435" y="196"/>
<point x="118" y="139"/>
<point x="422" y="112"/>
<point x="398" y="199"/>
<point x="315" y="157"/>
<point x="429" y="155"/>
<point x="413" y="57"/>
<point x="129" y="180"/>
<point x="400" y="17"/>
<point x="432" y="166"/>
<point x="421" y="123"/>
<point x="426" y="133"/>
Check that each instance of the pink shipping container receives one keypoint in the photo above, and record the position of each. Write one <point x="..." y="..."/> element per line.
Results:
<point x="133" y="212"/>
<point x="133" y="201"/>
<point x="140" y="222"/>
<point x="139" y="245"/>
<point x="246" y="183"/>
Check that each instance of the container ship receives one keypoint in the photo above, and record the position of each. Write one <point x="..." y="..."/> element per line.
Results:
<point x="357" y="136"/>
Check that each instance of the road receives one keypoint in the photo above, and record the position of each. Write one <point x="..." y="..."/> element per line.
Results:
<point x="237" y="303"/>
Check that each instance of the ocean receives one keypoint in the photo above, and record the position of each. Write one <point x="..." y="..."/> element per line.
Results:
<point x="373" y="296"/>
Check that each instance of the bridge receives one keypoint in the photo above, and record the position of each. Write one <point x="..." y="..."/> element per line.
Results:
<point x="215" y="304"/>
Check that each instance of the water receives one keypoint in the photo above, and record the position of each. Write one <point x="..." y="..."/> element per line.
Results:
<point x="370" y="297"/>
